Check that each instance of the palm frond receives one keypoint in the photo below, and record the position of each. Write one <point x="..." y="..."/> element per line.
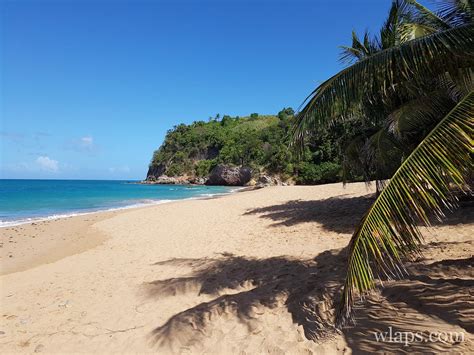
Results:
<point x="358" y="49"/>
<point x="428" y="16"/>
<point x="420" y="113"/>
<point x="412" y="30"/>
<point x="421" y="186"/>
<point x="456" y="12"/>
<point x="379" y="75"/>
<point x="350" y="54"/>
<point x="353" y="159"/>
<point x="384" y="153"/>
<point x="390" y="28"/>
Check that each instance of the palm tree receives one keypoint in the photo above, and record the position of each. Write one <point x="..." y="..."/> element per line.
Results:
<point x="421" y="188"/>
<point x="376" y="150"/>
<point x="418" y="83"/>
<point x="367" y="150"/>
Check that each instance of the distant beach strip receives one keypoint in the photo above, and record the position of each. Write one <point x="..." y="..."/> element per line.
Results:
<point x="26" y="201"/>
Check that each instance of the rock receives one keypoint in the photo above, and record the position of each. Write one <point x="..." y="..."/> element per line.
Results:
<point x="252" y="182"/>
<point x="265" y="180"/>
<point x="170" y="180"/>
<point x="155" y="171"/>
<point x="197" y="181"/>
<point x="167" y="180"/>
<point x="229" y="176"/>
<point x="163" y="179"/>
<point x="269" y="180"/>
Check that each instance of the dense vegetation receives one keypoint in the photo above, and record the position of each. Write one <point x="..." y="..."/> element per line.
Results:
<point x="259" y="142"/>
<point x="411" y="91"/>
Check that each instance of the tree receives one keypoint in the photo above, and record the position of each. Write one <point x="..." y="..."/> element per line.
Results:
<point x="420" y="187"/>
<point x="403" y="83"/>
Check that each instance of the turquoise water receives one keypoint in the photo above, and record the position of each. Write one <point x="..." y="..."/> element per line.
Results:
<point x="26" y="200"/>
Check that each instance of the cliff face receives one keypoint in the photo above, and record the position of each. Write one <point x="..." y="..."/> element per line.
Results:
<point x="155" y="171"/>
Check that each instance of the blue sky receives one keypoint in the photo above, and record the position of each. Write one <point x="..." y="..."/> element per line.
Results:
<point x="89" y="88"/>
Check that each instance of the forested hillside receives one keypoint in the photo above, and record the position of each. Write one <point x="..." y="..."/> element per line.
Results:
<point x="260" y="142"/>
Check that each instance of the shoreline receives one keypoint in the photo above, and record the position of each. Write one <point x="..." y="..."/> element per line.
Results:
<point x="29" y="220"/>
<point x="72" y="234"/>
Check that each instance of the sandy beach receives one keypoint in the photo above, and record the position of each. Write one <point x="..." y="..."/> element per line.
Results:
<point x="252" y="272"/>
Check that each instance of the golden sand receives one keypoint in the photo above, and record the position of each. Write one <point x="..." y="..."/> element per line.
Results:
<point x="251" y="272"/>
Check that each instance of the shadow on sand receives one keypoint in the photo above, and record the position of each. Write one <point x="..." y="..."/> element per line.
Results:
<point x="242" y="286"/>
<point x="339" y="214"/>
<point x="436" y="296"/>
<point x="438" y="299"/>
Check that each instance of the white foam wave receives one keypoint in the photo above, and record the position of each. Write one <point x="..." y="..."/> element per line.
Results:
<point x="141" y="203"/>
<point x="136" y="204"/>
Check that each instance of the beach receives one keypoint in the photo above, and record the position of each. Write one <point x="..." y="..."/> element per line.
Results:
<point x="250" y="272"/>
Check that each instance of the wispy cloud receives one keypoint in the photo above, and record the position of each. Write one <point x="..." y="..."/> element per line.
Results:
<point x="12" y="136"/>
<point x="25" y="141"/>
<point x="120" y="169"/>
<point x="45" y="163"/>
<point x="19" y="167"/>
<point x="85" y="144"/>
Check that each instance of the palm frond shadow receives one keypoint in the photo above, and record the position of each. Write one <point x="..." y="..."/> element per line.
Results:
<point x="305" y="287"/>
<point x="439" y="300"/>
<point x="457" y="305"/>
<point x="339" y="214"/>
<point x="434" y="296"/>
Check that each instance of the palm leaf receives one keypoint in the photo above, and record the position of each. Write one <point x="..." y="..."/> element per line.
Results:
<point x="358" y="50"/>
<point x="381" y="74"/>
<point x="421" y="186"/>
<point x="411" y="31"/>
<point x="429" y="16"/>
<point x="456" y="12"/>
<point x="420" y="113"/>
<point x="384" y="153"/>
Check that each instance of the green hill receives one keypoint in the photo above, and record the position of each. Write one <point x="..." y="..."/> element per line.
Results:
<point x="260" y="142"/>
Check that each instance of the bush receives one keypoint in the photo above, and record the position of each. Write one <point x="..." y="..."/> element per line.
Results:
<point x="175" y="169"/>
<point x="323" y="173"/>
<point x="204" y="167"/>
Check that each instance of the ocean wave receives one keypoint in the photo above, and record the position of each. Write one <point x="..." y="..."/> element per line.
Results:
<point x="129" y="205"/>
<point x="136" y="204"/>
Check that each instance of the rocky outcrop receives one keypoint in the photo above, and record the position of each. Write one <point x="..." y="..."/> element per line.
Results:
<point x="155" y="171"/>
<point x="229" y="176"/>
<point x="270" y="180"/>
<point x="197" y="181"/>
<point x="265" y="180"/>
<point x="167" y="180"/>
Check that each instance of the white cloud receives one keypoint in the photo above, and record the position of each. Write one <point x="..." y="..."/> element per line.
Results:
<point x="87" y="142"/>
<point x="47" y="164"/>
<point x="120" y="169"/>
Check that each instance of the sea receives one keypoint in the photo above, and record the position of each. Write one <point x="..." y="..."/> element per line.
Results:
<point x="24" y="201"/>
